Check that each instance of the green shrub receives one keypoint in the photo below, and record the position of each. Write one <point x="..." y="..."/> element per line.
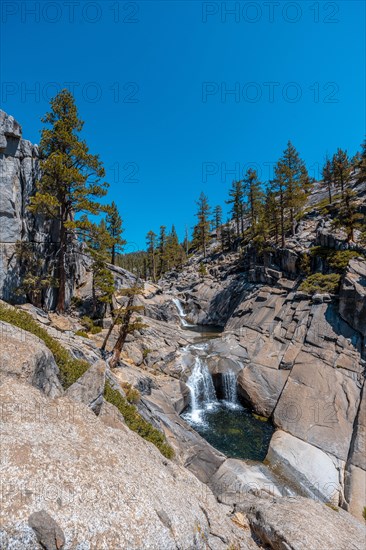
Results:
<point x="82" y="333"/>
<point x="70" y="369"/>
<point x="321" y="283"/>
<point x="202" y="270"/>
<point x="364" y="513"/>
<point x="132" y="394"/>
<point x="136" y="423"/>
<point x="145" y="352"/>
<point x="87" y="323"/>
<point x="337" y="260"/>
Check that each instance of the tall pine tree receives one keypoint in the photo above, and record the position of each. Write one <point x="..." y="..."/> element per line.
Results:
<point x="201" y="231"/>
<point x="115" y="229"/>
<point x="341" y="168"/>
<point x="253" y="190"/>
<point x="236" y="194"/>
<point x="70" y="181"/>
<point x="152" y="255"/>
<point x="327" y="174"/>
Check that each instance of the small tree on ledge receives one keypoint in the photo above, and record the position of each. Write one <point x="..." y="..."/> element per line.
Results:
<point x="128" y="322"/>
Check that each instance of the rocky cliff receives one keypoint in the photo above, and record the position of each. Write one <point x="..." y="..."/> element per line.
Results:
<point x="77" y="475"/>
<point x="19" y="172"/>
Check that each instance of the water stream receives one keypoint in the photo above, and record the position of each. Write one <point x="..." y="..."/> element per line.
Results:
<point x="224" y="422"/>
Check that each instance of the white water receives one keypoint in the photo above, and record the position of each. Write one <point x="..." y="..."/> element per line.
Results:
<point x="202" y="391"/>
<point x="182" y="315"/>
<point x="229" y="389"/>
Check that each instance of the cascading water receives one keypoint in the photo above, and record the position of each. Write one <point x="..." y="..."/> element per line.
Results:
<point x="180" y="309"/>
<point x="222" y="421"/>
<point x="229" y="389"/>
<point x="202" y="390"/>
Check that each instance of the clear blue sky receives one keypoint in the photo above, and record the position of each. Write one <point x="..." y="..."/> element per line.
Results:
<point x="150" y="81"/>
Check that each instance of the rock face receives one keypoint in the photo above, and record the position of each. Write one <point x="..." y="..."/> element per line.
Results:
<point x="47" y="531"/>
<point x="89" y="388"/>
<point x="312" y="472"/>
<point x="303" y="524"/>
<point x="109" y="487"/>
<point x="19" y="171"/>
<point x="26" y="358"/>
<point x="303" y="366"/>
<point x="352" y="299"/>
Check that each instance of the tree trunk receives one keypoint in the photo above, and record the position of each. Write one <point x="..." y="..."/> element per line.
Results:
<point x="60" y="308"/>
<point x="114" y="254"/>
<point x="122" y="334"/>
<point x="282" y="222"/>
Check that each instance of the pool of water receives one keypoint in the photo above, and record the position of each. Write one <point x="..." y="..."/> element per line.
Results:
<point x="231" y="429"/>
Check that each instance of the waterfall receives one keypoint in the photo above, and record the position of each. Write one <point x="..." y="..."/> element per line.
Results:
<point x="182" y="315"/>
<point x="202" y="390"/>
<point x="229" y="387"/>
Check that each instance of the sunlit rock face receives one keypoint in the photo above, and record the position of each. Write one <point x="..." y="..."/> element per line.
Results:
<point x="19" y="172"/>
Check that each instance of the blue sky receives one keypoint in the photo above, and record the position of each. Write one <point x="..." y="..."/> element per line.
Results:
<point x="152" y="81"/>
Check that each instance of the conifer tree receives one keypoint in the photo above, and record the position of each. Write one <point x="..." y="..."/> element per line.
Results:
<point x="254" y="193"/>
<point x="328" y="177"/>
<point x="227" y="235"/>
<point x="99" y="243"/>
<point x="175" y="252"/>
<point x="151" y="252"/>
<point x="186" y="241"/>
<point x="162" y="246"/>
<point x="125" y="316"/>
<point x="361" y="164"/>
<point x="292" y="172"/>
<point x="201" y="231"/>
<point x="236" y="194"/>
<point x="115" y="229"/>
<point x="217" y="223"/>
<point x="348" y="215"/>
<point x="278" y="191"/>
<point x="217" y="218"/>
<point x="70" y="181"/>
<point x="34" y="282"/>
<point x="273" y="213"/>
<point x="341" y="168"/>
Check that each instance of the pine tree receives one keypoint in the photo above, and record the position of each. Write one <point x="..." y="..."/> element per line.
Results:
<point x="162" y="245"/>
<point x="341" y="168"/>
<point x="361" y="164"/>
<point x="128" y="323"/>
<point x="151" y="251"/>
<point x="278" y="191"/>
<point x="254" y="193"/>
<point x="70" y="181"/>
<point x="273" y="213"/>
<point x="292" y="172"/>
<point x="99" y="243"/>
<point x="115" y="229"/>
<point x="186" y="241"/>
<point x="174" y="251"/>
<point x="217" y="223"/>
<point x="328" y="177"/>
<point x="348" y="215"/>
<point x="236" y="194"/>
<point x="227" y="236"/>
<point x="201" y="230"/>
<point x="34" y="282"/>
